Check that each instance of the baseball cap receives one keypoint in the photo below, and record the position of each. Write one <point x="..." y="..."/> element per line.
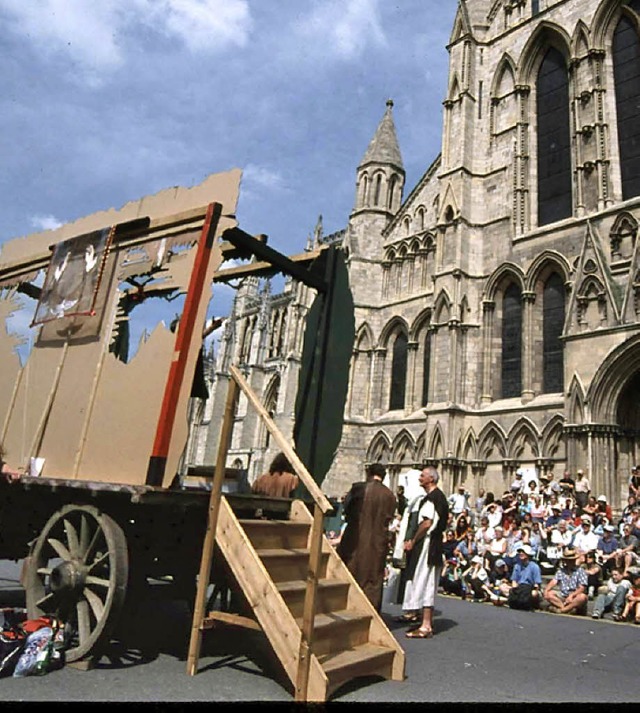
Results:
<point x="477" y="559"/>
<point x="526" y="549"/>
<point x="501" y="563"/>
<point x="602" y="498"/>
<point x="609" y="528"/>
<point x="585" y="518"/>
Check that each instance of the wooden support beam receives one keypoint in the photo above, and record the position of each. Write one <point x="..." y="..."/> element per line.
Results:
<point x="228" y="618"/>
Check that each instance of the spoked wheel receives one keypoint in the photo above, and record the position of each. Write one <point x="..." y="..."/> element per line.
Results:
<point x="77" y="571"/>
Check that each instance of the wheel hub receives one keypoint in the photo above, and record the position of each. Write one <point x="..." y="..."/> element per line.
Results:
<point x="67" y="578"/>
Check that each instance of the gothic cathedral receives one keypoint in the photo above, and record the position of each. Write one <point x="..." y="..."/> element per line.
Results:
<point x="498" y="299"/>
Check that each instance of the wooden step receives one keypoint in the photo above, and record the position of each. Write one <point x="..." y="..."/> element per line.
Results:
<point x="339" y="630"/>
<point x="365" y="660"/>
<point x="273" y="534"/>
<point x="331" y="595"/>
<point x="288" y="564"/>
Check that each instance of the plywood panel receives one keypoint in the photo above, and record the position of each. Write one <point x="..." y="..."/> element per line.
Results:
<point x="123" y="422"/>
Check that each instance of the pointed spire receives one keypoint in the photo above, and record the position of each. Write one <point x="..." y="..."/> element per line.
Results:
<point x="384" y="146"/>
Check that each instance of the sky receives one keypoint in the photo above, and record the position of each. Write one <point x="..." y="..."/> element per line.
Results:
<point x="105" y="102"/>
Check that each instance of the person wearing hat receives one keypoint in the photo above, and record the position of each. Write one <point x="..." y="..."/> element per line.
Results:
<point x="566" y="593"/>
<point x="585" y="539"/>
<point x="582" y="490"/>
<point x="554" y="517"/>
<point x="476" y="577"/>
<point x="517" y="484"/>
<point x="613" y="597"/>
<point x="523" y="592"/>
<point x="607" y="549"/>
<point x="458" y="501"/>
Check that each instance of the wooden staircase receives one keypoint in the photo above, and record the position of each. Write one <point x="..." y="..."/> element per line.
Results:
<point x="318" y="621"/>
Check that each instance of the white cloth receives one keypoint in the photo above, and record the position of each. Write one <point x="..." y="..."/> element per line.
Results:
<point x="398" y="550"/>
<point x="586" y="541"/>
<point x="421" y="590"/>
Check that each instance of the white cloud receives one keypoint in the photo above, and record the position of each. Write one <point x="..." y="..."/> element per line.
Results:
<point x="94" y="33"/>
<point x="44" y="222"/>
<point x="255" y="176"/>
<point x="344" y="27"/>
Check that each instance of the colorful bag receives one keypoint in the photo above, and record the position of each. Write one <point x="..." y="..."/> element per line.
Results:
<point x="36" y="655"/>
<point x="12" y="642"/>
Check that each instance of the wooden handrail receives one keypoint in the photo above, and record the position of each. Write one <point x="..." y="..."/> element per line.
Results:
<point x="310" y="484"/>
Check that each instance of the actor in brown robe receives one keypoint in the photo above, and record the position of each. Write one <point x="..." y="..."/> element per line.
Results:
<point x="279" y="482"/>
<point x="368" y="508"/>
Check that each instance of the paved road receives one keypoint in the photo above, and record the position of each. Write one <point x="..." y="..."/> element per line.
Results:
<point x="480" y="654"/>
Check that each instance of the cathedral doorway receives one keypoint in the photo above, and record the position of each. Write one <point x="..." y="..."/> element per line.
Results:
<point x="614" y="431"/>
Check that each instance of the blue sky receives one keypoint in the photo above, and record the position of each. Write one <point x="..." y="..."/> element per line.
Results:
<point x="106" y="101"/>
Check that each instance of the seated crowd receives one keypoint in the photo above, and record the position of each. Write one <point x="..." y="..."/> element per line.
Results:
<point x="498" y="550"/>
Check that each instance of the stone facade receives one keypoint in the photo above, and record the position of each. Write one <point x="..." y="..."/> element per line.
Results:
<point x="497" y="327"/>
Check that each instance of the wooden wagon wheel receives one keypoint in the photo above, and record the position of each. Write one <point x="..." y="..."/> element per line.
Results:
<point x="77" y="570"/>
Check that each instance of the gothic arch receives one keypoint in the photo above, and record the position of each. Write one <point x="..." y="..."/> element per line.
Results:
<point x="364" y="338"/>
<point x="454" y="88"/>
<point x="414" y="247"/>
<point x="420" y="447"/>
<point x="580" y="40"/>
<point x="606" y="18"/>
<point x="491" y="437"/>
<point x="419" y="216"/>
<point x="507" y="272"/>
<point x="468" y="446"/>
<point x="611" y="378"/>
<point x="504" y="77"/>
<point x="379" y="450"/>
<point x="544" y="264"/>
<point x="436" y="444"/>
<point x="522" y="433"/>
<point x="442" y="307"/>
<point x="552" y="435"/>
<point x="545" y="35"/>
<point x="429" y="241"/>
<point x="403" y="448"/>
<point x="576" y="408"/>
<point x="395" y="324"/>
<point x="461" y="25"/>
<point x="623" y="234"/>
<point x="390" y="254"/>
<point x="419" y="323"/>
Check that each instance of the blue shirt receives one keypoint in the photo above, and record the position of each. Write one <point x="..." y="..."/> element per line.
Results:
<point x="526" y="574"/>
<point x="607" y="547"/>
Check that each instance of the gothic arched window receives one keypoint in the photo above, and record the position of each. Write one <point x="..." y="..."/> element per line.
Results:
<point x="554" y="139"/>
<point x="553" y="298"/>
<point x="426" y="368"/>
<point x="512" y="342"/>
<point x="398" y="373"/>
<point x="626" y="73"/>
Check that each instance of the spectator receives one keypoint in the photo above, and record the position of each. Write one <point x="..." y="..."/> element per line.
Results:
<point x="279" y="482"/>
<point x="535" y="539"/>
<point x="451" y="579"/>
<point x="537" y="509"/>
<point x="550" y="487"/>
<point x="632" y="601"/>
<point x="585" y="540"/>
<point x="628" y="510"/>
<point x="497" y="548"/>
<point x="498" y="576"/>
<point x="634" y="482"/>
<point x="613" y="597"/>
<point x="401" y="500"/>
<point x="567" y="485"/>
<point x="466" y="549"/>
<point x="517" y="484"/>
<point x="532" y="488"/>
<point x="566" y="593"/>
<point x="554" y="518"/>
<point x="494" y="513"/>
<point x="523" y="592"/>
<point x="568" y="510"/>
<point x="594" y="574"/>
<point x="484" y="534"/>
<point x="607" y="549"/>
<point x="582" y="490"/>
<point x="5" y="470"/>
<point x="479" y="505"/>
<point x="603" y="509"/>
<point x="476" y="579"/>
<point x="509" y="508"/>
<point x="462" y="524"/>
<point x="449" y="544"/>
<point x="591" y="508"/>
<point x="458" y="501"/>
<point x="628" y="549"/>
